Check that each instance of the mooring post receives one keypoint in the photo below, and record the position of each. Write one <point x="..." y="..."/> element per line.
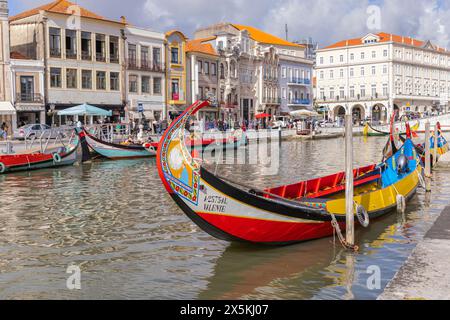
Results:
<point x="435" y="149"/>
<point x="349" y="204"/>
<point x="279" y="135"/>
<point x="427" y="157"/>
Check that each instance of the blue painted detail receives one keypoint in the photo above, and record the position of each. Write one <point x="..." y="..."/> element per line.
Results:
<point x="389" y="175"/>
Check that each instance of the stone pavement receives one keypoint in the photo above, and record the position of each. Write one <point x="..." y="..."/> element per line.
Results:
<point x="426" y="274"/>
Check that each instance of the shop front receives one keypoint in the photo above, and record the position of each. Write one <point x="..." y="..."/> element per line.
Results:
<point x="8" y="116"/>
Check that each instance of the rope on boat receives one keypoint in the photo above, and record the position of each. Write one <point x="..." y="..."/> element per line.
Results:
<point x="341" y="238"/>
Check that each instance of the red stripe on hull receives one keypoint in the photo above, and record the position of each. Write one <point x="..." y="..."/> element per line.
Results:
<point x="24" y="159"/>
<point x="263" y="231"/>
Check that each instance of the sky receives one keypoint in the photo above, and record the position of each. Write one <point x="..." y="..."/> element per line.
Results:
<point x="325" y="21"/>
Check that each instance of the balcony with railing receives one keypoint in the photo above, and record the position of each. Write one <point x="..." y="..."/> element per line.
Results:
<point x="86" y="55"/>
<point x="55" y="53"/>
<point x="229" y="104"/>
<point x="114" y="58"/>
<point x="275" y="101"/>
<point x="300" y="102"/>
<point x="71" y="54"/>
<point x="145" y="65"/>
<point x="29" y="98"/>
<point x="100" y="57"/>
<point x="299" y="81"/>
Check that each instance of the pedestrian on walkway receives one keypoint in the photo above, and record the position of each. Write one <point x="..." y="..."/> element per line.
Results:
<point x="4" y="131"/>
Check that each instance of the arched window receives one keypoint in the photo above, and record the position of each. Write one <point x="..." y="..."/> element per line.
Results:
<point x="222" y="71"/>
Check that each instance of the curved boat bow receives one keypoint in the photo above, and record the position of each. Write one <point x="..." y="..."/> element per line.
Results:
<point x="281" y="215"/>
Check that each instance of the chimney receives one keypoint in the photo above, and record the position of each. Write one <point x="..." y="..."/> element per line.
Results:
<point x="123" y="19"/>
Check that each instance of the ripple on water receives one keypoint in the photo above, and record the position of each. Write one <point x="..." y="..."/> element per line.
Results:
<point x="116" y="221"/>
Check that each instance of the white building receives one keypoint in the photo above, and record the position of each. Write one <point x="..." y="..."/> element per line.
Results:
<point x="145" y="73"/>
<point x="82" y="54"/>
<point x="374" y="75"/>
<point x="28" y="89"/>
<point x="7" y="111"/>
<point x="251" y="59"/>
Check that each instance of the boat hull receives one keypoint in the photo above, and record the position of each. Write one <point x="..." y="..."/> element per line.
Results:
<point x="116" y="151"/>
<point x="28" y="162"/>
<point x="272" y="217"/>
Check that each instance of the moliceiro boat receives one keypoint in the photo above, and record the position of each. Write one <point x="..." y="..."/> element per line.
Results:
<point x="282" y="215"/>
<point x="64" y="156"/>
<point x="120" y="151"/>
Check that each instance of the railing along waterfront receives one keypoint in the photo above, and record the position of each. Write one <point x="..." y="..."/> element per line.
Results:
<point x="29" y="97"/>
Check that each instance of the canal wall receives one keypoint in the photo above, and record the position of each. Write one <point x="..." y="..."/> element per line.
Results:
<point x="425" y="275"/>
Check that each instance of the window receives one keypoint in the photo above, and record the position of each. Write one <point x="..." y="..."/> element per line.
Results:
<point x="363" y="91"/>
<point x="175" y="86"/>
<point x="213" y="69"/>
<point x="362" y="55"/>
<point x="321" y="74"/>
<point x="352" y="72"/>
<point x="200" y="66"/>
<point x="71" y="79"/>
<point x="71" y="44"/>
<point x="331" y="93"/>
<point x="113" y="49"/>
<point x="322" y="94"/>
<point x="283" y="93"/>
<point x="101" y="80"/>
<point x="55" y="77"/>
<point x="156" y="85"/>
<point x="133" y="84"/>
<point x="374" y="70"/>
<point x="341" y="73"/>
<point x="352" y="56"/>
<point x="283" y="72"/>
<point x="157" y="57"/>
<point x="342" y="92"/>
<point x="374" y="54"/>
<point x="114" y="81"/>
<point x="27" y="88"/>
<point x="331" y="59"/>
<point x="100" y="52"/>
<point x="174" y="55"/>
<point x="362" y="71"/>
<point x="385" y="90"/>
<point x="385" y="53"/>
<point x="145" y="57"/>
<point x="374" y="91"/>
<point x="352" y="92"/>
<point x="86" y="46"/>
<point x="132" y="56"/>
<point x="145" y="85"/>
<point x="321" y="60"/>
<point x="341" y="58"/>
<point x="86" y="79"/>
<point x="385" y="69"/>
<point x="206" y="68"/>
<point x="331" y="74"/>
<point x="55" y="42"/>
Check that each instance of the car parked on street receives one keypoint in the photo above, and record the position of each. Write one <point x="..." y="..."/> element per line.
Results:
<point x="36" y="130"/>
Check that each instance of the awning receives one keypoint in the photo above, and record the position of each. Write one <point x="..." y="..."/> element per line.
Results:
<point x="7" y="108"/>
<point x="85" y="110"/>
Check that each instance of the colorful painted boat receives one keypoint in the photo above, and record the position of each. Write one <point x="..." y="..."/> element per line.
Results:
<point x="370" y="131"/>
<point x="120" y="151"/>
<point x="442" y="144"/>
<point x="282" y="215"/>
<point x="64" y="156"/>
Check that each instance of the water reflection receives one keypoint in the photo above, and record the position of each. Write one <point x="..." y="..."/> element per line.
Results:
<point x="116" y="221"/>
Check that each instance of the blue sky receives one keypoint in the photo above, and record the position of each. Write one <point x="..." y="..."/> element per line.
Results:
<point x="326" y="21"/>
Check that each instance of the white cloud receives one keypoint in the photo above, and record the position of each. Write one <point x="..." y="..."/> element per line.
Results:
<point x="327" y="21"/>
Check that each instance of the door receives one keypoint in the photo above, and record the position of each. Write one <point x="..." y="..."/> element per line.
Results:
<point x="27" y="88"/>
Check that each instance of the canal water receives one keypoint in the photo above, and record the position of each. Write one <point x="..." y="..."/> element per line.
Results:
<point x="116" y="222"/>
